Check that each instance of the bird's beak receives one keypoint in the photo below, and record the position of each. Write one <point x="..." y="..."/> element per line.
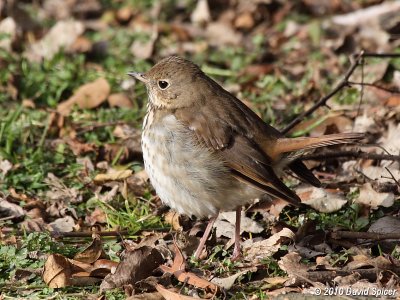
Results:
<point x="139" y="76"/>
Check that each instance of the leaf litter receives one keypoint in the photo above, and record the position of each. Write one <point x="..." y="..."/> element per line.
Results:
<point x="96" y="179"/>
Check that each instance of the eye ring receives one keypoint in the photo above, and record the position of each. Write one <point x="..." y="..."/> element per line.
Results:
<point x="162" y="84"/>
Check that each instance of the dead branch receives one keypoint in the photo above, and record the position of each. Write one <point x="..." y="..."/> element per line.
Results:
<point x="383" y="55"/>
<point x="88" y="234"/>
<point x="342" y="83"/>
<point x="349" y="154"/>
<point x="392" y="91"/>
<point x="365" y="235"/>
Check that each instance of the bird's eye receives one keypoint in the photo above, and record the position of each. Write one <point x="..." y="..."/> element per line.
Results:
<point x="163" y="84"/>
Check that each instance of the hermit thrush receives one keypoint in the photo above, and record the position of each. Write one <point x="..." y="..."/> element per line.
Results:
<point x="205" y="151"/>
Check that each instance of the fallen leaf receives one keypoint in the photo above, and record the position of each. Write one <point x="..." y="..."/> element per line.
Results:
<point x="112" y="176"/>
<point x="144" y="49"/>
<point x="366" y="15"/>
<point x="62" y="35"/>
<point x="93" y="252"/>
<point x="60" y="193"/>
<point x="8" y="32"/>
<point x="5" y="166"/>
<point x="393" y="101"/>
<point x="136" y="265"/>
<point x="57" y="271"/>
<point x="146" y="296"/>
<point x="201" y="13"/>
<point x="170" y="294"/>
<point x="244" y="21"/>
<point x="10" y="210"/>
<point x="221" y="34"/>
<point x="290" y="263"/>
<point x="265" y="248"/>
<point x="322" y="200"/>
<point x="368" y="196"/>
<point x="89" y="95"/>
<point x="386" y="224"/>
<point x="119" y="100"/>
<point x="172" y="218"/>
<point x="65" y="224"/>
<point x="178" y="270"/>
<point x="391" y="143"/>
<point x="229" y="281"/>
<point x="227" y="229"/>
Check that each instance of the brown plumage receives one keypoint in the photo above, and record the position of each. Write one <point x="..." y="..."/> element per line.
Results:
<point x="206" y="151"/>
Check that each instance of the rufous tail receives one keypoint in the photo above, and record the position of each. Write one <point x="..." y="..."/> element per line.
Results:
<point x="284" y="145"/>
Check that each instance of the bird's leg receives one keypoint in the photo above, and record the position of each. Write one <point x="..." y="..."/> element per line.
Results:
<point x="205" y="236"/>
<point x="236" y="250"/>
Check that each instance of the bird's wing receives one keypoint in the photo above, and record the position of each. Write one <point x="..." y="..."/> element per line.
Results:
<point x="242" y="155"/>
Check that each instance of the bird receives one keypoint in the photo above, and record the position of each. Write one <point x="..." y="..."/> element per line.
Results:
<point x="205" y="151"/>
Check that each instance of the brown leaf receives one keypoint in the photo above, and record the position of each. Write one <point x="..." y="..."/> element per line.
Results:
<point x="228" y="282"/>
<point x="8" y="30"/>
<point x="368" y="196"/>
<point x="10" y="210"/>
<point x="322" y="200"/>
<point x="57" y="271"/>
<point x="393" y="101"/>
<point x="144" y="49"/>
<point x="113" y="176"/>
<point x="170" y="294"/>
<point x="265" y="248"/>
<point x="135" y="266"/>
<point x="178" y="270"/>
<point x="5" y="166"/>
<point x="92" y="252"/>
<point x="119" y="100"/>
<point x="201" y="14"/>
<point x="62" y="35"/>
<point x="172" y="218"/>
<point x="89" y="95"/>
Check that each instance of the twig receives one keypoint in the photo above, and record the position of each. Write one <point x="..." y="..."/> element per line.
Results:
<point x="85" y="234"/>
<point x="388" y="55"/>
<point x="365" y="235"/>
<point x="347" y="154"/>
<point x="342" y="83"/>
<point x="392" y="177"/>
<point x="375" y="86"/>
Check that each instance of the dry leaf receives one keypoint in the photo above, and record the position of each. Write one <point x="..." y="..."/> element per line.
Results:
<point x="221" y="34"/>
<point x="62" y="35"/>
<point x="178" y="270"/>
<point x="119" y="100"/>
<point x="135" y="266"/>
<point x="10" y="210"/>
<point x="265" y="248"/>
<point x="89" y="95"/>
<point x="368" y="196"/>
<point x="290" y="263"/>
<point x="5" y="166"/>
<point x="227" y="228"/>
<point x="201" y="14"/>
<point x="170" y="294"/>
<point x="8" y="32"/>
<point x="172" y="218"/>
<point x="57" y="271"/>
<point x="92" y="252"/>
<point x="112" y="176"/>
<point x="322" y="200"/>
<point x="228" y="282"/>
<point x="144" y="50"/>
<point x="65" y="224"/>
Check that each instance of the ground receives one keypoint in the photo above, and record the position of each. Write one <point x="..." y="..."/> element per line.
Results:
<point x="79" y="218"/>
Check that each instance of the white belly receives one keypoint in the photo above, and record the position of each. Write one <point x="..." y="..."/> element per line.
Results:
<point x="186" y="176"/>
